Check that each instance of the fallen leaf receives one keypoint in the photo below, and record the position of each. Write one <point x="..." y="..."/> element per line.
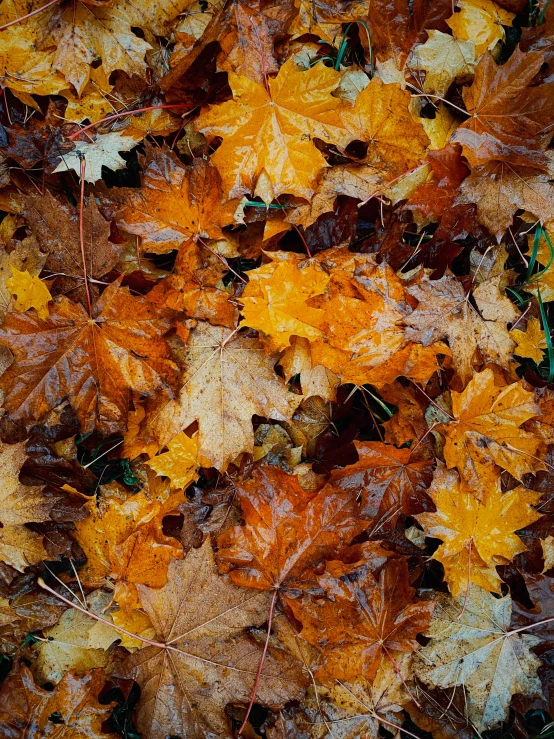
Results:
<point x="287" y="531"/>
<point x="207" y="660"/>
<point x="444" y="59"/>
<point x="181" y="462"/>
<point x="228" y="379"/>
<point x="480" y="21"/>
<point x="276" y="300"/>
<point x="267" y="148"/>
<point x="102" y="152"/>
<point x="396" y="142"/>
<point x="485" y="432"/>
<point x="477" y="536"/>
<point x="175" y="203"/>
<point x="362" y="618"/>
<point x="530" y="343"/>
<point x="124" y="540"/>
<point x="475" y="649"/>
<point x="96" y="362"/>
<point x="30" y="292"/>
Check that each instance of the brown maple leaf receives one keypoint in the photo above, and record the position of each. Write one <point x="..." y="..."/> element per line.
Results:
<point x="287" y="531"/>
<point x="203" y="659"/>
<point x="444" y="311"/>
<point x="96" y="362"/>
<point x="508" y="111"/>
<point x="228" y="378"/>
<point x="56" y="228"/>
<point x="363" y="617"/>
<point x="26" y="709"/>
<point x="390" y="481"/>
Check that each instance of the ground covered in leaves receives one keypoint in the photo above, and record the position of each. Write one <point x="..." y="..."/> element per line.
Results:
<point x="276" y="369"/>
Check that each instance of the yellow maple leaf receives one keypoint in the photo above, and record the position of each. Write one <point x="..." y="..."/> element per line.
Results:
<point x="531" y="343"/>
<point x="30" y="292"/>
<point x="181" y="462"/>
<point x="381" y="117"/>
<point x="268" y="146"/>
<point x="480" y="21"/>
<point x="275" y="300"/>
<point x="477" y="536"/>
<point x="485" y="432"/>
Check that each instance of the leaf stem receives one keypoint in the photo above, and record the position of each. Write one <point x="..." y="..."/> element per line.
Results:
<point x="261" y="665"/>
<point x="400" y="675"/>
<point x="82" y="234"/>
<point x="24" y="17"/>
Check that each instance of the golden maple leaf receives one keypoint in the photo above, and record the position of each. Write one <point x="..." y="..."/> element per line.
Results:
<point x="485" y="432"/>
<point x="477" y="535"/>
<point x="267" y="146"/>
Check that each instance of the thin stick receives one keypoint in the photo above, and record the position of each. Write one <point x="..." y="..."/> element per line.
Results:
<point x="222" y="260"/>
<point x="261" y="665"/>
<point x="24" y="17"/>
<point x="122" y="115"/>
<point x="82" y="234"/>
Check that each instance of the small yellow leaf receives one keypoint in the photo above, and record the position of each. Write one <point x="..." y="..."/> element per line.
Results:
<point x="181" y="462"/>
<point x="530" y="343"/>
<point x="30" y="292"/>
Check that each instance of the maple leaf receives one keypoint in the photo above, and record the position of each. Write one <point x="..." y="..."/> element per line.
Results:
<point x="287" y="530"/>
<point x="26" y="709"/>
<point x="102" y="152"/>
<point x="530" y="343"/>
<point x="228" y="379"/>
<point x="485" y="432"/>
<point x="363" y="336"/>
<point x="95" y="362"/>
<point x="443" y="58"/>
<point x="476" y="650"/>
<point x="498" y="190"/>
<point x="480" y="21"/>
<point x="30" y="292"/>
<point x="175" y="203"/>
<point x="477" y="535"/>
<point x="56" y="227"/>
<point x="389" y="480"/>
<point x="267" y="147"/>
<point x="363" y="618"/>
<point x="380" y="116"/>
<point x="25" y="70"/>
<point x="275" y="301"/>
<point x="205" y="660"/>
<point x="181" y="462"/>
<point x="444" y="311"/>
<point x="25" y="257"/>
<point x="502" y="105"/>
<point x="436" y="197"/>
<point x="123" y="539"/>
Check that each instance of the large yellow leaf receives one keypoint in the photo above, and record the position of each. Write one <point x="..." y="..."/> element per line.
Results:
<point x="477" y="536"/>
<point x="485" y="432"/>
<point x="267" y="134"/>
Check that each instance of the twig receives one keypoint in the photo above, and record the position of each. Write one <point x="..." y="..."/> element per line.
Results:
<point x="24" y="17"/>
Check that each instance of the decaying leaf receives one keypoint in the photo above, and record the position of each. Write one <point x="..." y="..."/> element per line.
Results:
<point x="206" y="660"/>
<point x="475" y="649"/>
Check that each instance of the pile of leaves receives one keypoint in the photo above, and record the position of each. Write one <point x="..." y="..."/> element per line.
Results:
<point x="277" y="369"/>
